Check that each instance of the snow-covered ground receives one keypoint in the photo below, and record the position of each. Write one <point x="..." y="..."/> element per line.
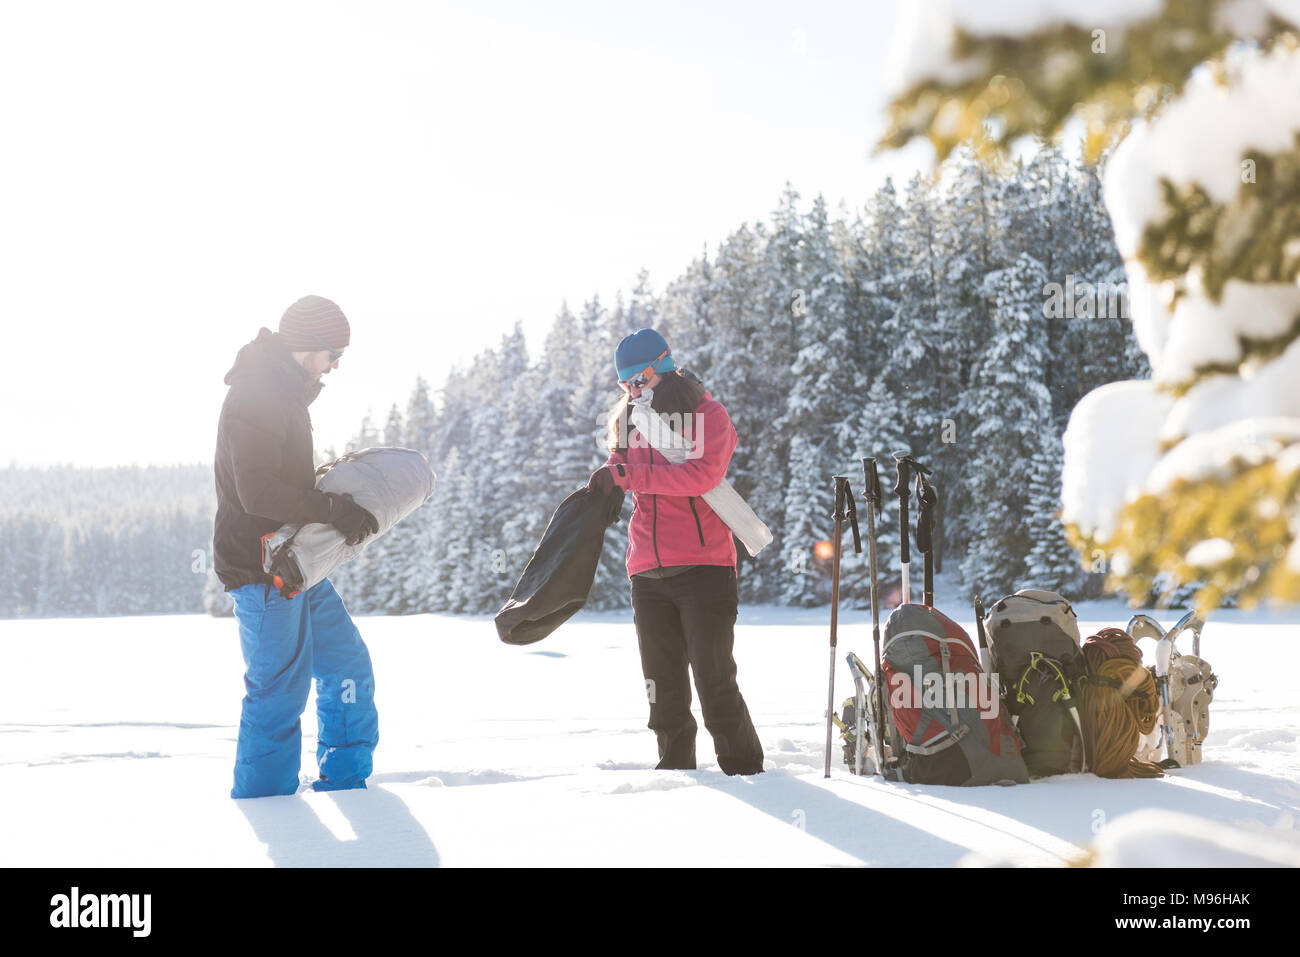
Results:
<point x="117" y="739"/>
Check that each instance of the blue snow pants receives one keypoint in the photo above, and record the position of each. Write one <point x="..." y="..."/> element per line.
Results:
<point x="286" y="643"/>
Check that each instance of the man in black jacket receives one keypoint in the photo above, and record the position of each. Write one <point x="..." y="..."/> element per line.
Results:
<point x="265" y="473"/>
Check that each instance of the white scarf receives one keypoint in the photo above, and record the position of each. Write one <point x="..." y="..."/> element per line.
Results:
<point x="725" y="501"/>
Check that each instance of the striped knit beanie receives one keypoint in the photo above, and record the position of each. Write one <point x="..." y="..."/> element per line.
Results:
<point x="312" y="324"/>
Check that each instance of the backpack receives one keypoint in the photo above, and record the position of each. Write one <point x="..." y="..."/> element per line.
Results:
<point x="1034" y="643"/>
<point x="948" y="724"/>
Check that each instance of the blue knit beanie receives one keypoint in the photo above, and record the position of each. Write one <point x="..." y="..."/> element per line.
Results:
<point x="641" y="349"/>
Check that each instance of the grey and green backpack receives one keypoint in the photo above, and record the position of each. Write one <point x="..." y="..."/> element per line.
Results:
<point x="1035" y="648"/>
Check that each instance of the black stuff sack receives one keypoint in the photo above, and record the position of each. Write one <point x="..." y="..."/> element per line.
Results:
<point x="558" y="578"/>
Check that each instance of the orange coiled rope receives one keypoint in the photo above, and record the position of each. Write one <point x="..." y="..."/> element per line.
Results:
<point x="1120" y="704"/>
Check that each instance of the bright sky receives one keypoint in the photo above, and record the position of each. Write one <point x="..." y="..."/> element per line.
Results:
<point x="173" y="175"/>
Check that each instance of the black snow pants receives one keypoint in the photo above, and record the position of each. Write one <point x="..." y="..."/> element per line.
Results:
<point x="688" y="620"/>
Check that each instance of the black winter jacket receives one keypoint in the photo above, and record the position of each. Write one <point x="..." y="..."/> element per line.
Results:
<point x="265" y="469"/>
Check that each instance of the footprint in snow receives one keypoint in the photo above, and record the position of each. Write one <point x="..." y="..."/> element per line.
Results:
<point x="667" y="783"/>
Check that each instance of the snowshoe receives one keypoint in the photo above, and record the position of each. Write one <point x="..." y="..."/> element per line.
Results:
<point x="858" y="726"/>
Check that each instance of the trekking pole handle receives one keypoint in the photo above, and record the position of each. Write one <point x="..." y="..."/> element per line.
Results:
<point x="907" y="467"/>
<point x="871" y="492"/>
<point x="851" y="513"/>
<point x="903" y="489"/>
<point x="840" y="488"/>
<point x="926" y="500"/>
<point x="841" y="491"/>
<point x="903" y="486"/>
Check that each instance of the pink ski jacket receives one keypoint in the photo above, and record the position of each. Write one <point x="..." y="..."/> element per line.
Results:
<point x="671" y="523"/>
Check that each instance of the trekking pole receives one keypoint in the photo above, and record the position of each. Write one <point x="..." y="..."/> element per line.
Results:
<point x="874" y="498"/>
<point x="844" y="508"/>
<point x="906" y="466"/>
<point x="926" y="498"/>
<point x="938" y="539"/>
<point x="986" y="658"/>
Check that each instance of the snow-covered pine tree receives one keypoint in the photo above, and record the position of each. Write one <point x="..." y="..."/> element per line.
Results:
<point x="79" y="588"/>
<point x="1009" y="407"/>
<point x="735" y="316"/>
<point x="373" y="578"/>
<point x="561" y="448"/>
<point x="1208" y="476"/>
<point x="880" y="433"/>
<point x="394" y="427"/>
<point x="51" y="571"/>
<point x="452" y="578"/>
<point x="1052" y="563"/>
<point x="452" y="524"/>
<point x="912" y="334"/>
<point x="596" y="390"/>
<point x="970" y="229"/>
<point x="452" y="424"/>
<point x="804" y="579"/>
<point x="420" y="416"/>
<point x="821" y="399"/>
<point x="868" y="250"/>
<point x="417" y="575"/>
<point x="642" y="310"/>
<point x="682" y="314"/>
<point x="562" y="424"/>
<point x="763" y="384"/>
<point x="1091" y="335"/>
<point x="729" y="320"/>
<point x="367" y="435"/>
<point x="107" y="557"/>
<point x="413" y="592"/>
<point x="484" y="572"/>
<point x="519" y="511"/>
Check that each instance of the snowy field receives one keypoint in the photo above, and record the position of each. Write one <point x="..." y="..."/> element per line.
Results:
<point x="117" y="740"/>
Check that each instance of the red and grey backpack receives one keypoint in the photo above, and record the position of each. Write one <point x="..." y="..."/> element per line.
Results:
<point x="948" y="723"/>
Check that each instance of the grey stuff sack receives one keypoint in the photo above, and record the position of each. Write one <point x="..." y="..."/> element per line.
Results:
<point x="389" y="483"/>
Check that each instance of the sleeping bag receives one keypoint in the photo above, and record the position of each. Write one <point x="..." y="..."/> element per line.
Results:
<point x="389" y="483"/>
<point x="558" y="578"/>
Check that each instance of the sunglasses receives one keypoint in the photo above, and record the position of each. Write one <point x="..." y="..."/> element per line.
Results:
<point x="641" y="378"/>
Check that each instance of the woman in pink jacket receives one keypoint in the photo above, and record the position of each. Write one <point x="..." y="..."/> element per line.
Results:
<point x="681" y="559"/>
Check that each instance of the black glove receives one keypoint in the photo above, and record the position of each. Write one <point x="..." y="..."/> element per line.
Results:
<point x="351" y="519"/>
<point x="602" y="481"/>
